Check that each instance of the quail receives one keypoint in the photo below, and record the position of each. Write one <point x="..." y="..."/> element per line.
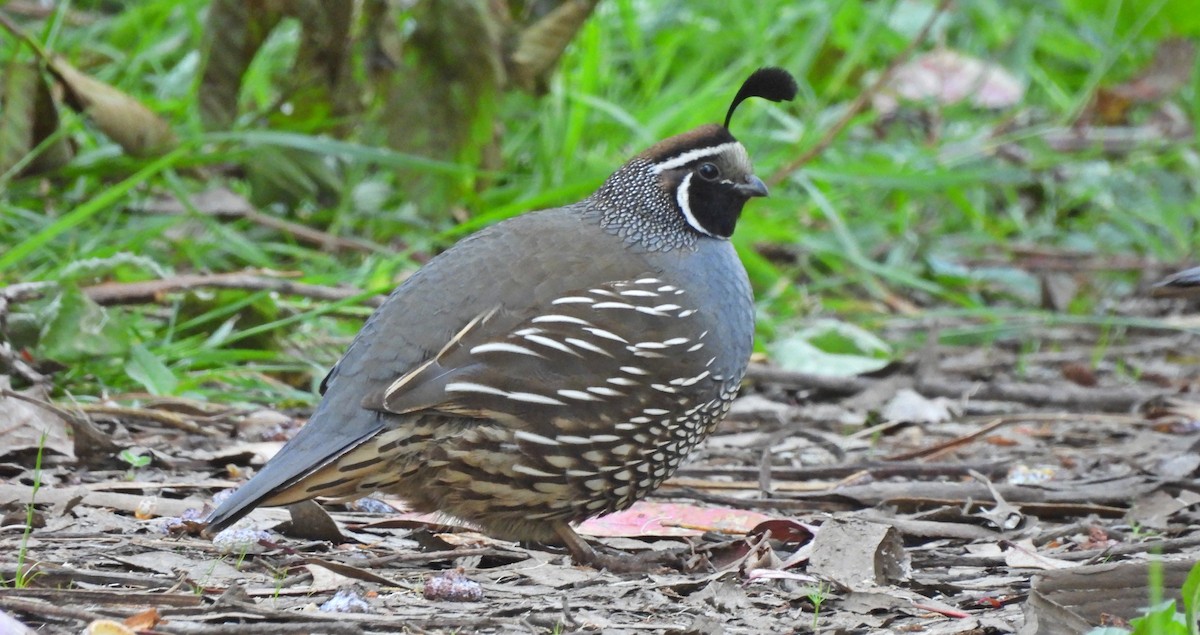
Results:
<point x="1184" y="283"/>
<point x="550" y="368"/>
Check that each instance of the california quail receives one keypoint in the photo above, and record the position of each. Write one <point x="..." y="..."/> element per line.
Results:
<point x="1184" y="283"/>
<point x="553" y="367"/>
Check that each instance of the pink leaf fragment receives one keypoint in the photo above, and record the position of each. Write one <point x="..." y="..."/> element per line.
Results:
<point x="948" y="77"/>
<point x="671" y="519"/>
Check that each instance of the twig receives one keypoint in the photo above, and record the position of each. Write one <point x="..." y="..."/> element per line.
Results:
<point x="941" y="609"/>
<point x="999" y="357"/>
<point x="110" y="293"/>
<point x="425" y="557"/>
<point x="11" y="360"/>
<point x="1104" y="398"/>
<point x="879" y="470"/>
<point x="307" y="234"/>
<point x="23" y="292"/>
<point x="860" y="103"/>
<point x="40" y="11"/>
<point x="1166" y="545"/>
<point x="939" y="449"/>
<point x="223" y="203"/>
<point x="168" y="419"/>
<point x="188" y="627"/>
<point x="47" y="609"/>
<point x="1109" y="399"/>
<point x="122" y="502"/>
<point x="51" y="577"/>
<point x="62" y="413"/>
<point x="148" y="290"/>
<point x="18" y="33"/>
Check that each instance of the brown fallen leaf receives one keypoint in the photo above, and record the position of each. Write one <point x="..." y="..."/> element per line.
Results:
<point x="125" y="120"/>
<point x="1080" y="374"/>
<point x="17" y="91"/>
<point x="541" y="44"/>
<point x="1166" y="74"/>
<point x="56" y="150"/>
<point x="145" y="620"/>
<point x="29" y="119"/>
<point x="312" y="522"/>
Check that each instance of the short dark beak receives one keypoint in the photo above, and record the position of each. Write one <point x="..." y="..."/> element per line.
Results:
<point x="752" y="187"/>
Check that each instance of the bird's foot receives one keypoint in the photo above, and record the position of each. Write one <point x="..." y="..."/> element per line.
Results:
<point x="683" y="559"/>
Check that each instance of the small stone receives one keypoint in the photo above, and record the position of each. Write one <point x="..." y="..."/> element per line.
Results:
<point x="453" y="586"/>
<point x="346" y="601"/>
<point x="242" y="539"/>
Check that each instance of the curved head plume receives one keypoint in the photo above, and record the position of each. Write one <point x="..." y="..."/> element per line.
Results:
<point x="771" y="83"/>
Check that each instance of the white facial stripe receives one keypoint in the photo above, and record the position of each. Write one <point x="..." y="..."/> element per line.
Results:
<point x="681" y="197"/>
<point x="692" y="155"/>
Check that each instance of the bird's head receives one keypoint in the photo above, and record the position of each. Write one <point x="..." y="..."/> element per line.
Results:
<point x="703" y="176"/>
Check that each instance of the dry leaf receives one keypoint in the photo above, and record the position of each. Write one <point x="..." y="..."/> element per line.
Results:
<point x="858" y="554"/>
<point x="58" y="152"/>
<point x="912" y="407"/>
<point x="17" y="94"/>
<point x="541" y="44"/>
<point x="1080" y="374"/>
<point x="1023" y="555"/>
<point x="947" y="77"/>
<point x="324" y="579"/>
<point x="1071" y="601"/>
<point x="22" y="424"/>
<point x="27" y="119"/>
<point x="122" y="118"/>
<point x="1169" y="71"/>
<point x="144" y="621"/>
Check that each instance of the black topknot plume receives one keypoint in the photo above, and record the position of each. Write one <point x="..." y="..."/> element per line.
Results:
<point x="769" y="82"/>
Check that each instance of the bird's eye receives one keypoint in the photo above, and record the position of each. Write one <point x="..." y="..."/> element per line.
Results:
<point x="709" y="171"/>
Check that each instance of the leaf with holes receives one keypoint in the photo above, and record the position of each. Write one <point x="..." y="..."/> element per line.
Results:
<point x="831" y="347"/>
<point x="76" y="328"/>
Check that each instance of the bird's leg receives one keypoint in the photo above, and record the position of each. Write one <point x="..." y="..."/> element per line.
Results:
<point x="581" y="552"/>
<point x="681" y="559"/>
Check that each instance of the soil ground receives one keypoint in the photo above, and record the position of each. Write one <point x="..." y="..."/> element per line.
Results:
<point x="995" y="489"/>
